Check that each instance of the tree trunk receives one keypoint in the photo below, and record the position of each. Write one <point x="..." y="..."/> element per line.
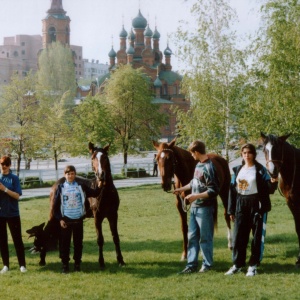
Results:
<point x="19" y="164"/>
<point x="55" y="160"/>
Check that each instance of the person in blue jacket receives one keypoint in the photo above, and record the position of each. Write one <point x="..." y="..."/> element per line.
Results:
<point x="10" y="192"/>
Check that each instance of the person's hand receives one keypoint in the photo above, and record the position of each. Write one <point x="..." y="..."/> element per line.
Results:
<point x="274" y="179"/>
<point x="63" y="224"/>
<point x="2" y="187"/>
<point x="232" y="218"/>
<point x="190" y="198"/>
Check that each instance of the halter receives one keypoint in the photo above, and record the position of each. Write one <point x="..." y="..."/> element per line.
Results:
<point x="278" y="161"/>
<point x="97" y="175"/>
<point x="174" y="161"/>
<point x="280" y="166"/>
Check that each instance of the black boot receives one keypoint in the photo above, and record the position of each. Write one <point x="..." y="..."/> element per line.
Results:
<point x="65" y="269"/>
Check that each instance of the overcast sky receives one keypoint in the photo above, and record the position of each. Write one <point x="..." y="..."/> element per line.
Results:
<point x="96" y="24"/>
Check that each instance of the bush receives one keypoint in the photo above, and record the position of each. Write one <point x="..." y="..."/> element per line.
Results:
<point x="89" y="175"/>
<point x="134" y="173"/>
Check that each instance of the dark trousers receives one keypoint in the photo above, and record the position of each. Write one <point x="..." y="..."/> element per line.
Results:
<point x="246" y="222"/>
<point x="155" y="172"/>
<point x="14" y="225"/>
<point x="75" y="228"/>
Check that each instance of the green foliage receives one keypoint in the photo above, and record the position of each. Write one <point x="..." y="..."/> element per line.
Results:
<point x="275" y="79"/>
<point x="56" y="90"/>
<point x="151" y="243"/>
<point x="18" y="118"/>
<point x="135" y="119"/>
<point x="214" y="78"/>
<point x="91" y="122"/>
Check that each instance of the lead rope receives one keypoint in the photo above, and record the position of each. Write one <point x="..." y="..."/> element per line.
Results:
<point x="185" y="207"/>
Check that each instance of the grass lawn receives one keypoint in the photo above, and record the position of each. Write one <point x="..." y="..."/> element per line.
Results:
<point x="151" y="243"/>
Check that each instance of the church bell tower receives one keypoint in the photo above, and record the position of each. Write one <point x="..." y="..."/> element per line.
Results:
<point x="56" y="26"/>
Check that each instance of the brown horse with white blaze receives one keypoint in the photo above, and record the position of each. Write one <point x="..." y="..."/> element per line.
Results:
<point x="284" y="159"/>
<point x="175" y="162"/>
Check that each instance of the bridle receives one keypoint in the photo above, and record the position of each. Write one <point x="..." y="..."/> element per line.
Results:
<point x="99" y="177"/>
<point x="173" y="157"/>
<point x="280" y="164"/>
<point x="184" y="205"/>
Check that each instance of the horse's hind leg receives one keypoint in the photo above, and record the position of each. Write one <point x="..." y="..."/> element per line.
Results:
<point x="224" y="198"/>
<point x="295" y="209"/>
<point x="113" y="224"/>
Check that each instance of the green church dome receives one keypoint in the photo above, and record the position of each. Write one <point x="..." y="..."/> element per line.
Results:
<point x="139" y="22"/>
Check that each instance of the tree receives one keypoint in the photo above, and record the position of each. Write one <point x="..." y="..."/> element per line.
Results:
<point x="135" y="119"/>
<point x="91" y="123"/>
<point x="275" y="76"/>
<point x="214" y="78"/>
<point x="56" y="90"/>
<point x="18" y="117"/>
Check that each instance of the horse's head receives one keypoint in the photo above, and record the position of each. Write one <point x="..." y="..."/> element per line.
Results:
<point x="166" y="162"/>
<point x="274" y="154"/>
<point x="100" y="163"/>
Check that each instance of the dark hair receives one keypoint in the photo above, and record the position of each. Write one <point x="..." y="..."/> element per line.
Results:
<point x="5" y="160"/>
<point x="251" y="149"/>
<point x="197" y="146"/>
<point x="69" y="169"/>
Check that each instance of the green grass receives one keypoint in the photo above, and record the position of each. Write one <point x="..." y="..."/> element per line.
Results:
<point x="151" y="242"/>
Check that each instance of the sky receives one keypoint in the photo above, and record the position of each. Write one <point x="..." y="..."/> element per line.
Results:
<point x="96" y="24"/>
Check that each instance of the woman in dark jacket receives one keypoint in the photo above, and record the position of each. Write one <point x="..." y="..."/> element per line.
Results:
<point x="249" y="203"/>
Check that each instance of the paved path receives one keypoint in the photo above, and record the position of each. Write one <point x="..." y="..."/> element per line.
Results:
<point x="44" y="192"/>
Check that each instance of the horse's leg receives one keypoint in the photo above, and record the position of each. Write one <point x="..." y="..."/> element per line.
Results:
<point x="100" y="239"/>
<point x="295" y="210"/>
<point x="113" y="224"/>
<point x="184" y="227"/>
<point x="224" y="198"/>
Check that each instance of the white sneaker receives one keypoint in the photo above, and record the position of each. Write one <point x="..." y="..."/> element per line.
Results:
<point x="252" y="271"/>
<point x="23" y="269"/>
<point x="4" y="270"/>
<point x="233" y="270"/>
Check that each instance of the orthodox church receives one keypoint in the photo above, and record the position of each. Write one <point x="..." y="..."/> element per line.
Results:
<point x="140" y="48"/>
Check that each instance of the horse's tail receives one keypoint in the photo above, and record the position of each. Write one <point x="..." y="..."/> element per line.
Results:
<point x="215" y="215"/>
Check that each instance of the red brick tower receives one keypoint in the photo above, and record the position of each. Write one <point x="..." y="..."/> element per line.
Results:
<point x="56" y="26"/>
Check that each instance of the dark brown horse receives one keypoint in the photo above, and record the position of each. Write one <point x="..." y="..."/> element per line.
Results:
<point x="178" y="163"/>
<point x="104" y="206"/>
<point x="107" y="203"/>
<point x="284" y="159"/>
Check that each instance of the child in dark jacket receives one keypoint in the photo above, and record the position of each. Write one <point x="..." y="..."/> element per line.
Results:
<point x="69" y="209"/>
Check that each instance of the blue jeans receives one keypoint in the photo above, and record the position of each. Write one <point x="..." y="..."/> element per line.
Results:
<point x="200" y="236"/>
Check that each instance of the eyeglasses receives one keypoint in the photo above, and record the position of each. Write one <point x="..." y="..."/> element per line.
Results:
<point x="4" y="164"/>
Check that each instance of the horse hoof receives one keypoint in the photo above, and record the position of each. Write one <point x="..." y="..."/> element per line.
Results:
<point x="42" y="263"/>
<point x="122" y="264"/>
